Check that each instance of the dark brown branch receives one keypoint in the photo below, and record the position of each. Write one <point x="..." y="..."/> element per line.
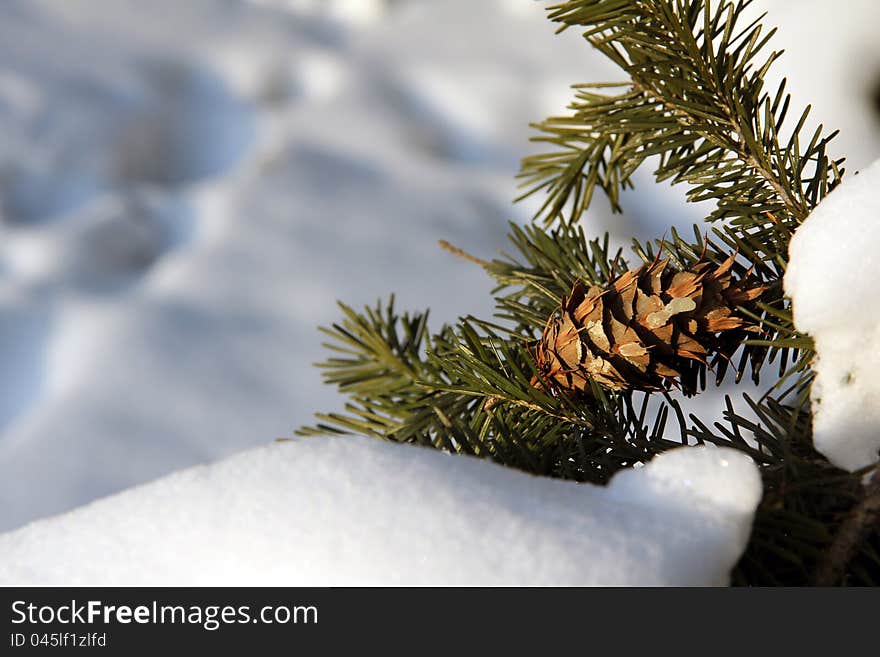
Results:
<point x="852" y="531"/>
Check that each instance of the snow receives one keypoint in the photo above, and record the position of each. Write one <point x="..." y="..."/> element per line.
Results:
<point x="831" y="279"/>
<point x="183" y="201"/>
<point x="357" y="511"/>
<point x="187" y="188"/>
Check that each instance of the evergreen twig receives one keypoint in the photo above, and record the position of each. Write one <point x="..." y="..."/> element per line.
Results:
<point x="695" y="99"/>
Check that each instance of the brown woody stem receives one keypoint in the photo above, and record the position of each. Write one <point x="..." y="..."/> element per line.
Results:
<point x="852" y="531"/>
<point x="462" y="254"/>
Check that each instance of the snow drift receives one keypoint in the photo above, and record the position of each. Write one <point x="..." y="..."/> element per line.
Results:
<point x="356" y="511"/>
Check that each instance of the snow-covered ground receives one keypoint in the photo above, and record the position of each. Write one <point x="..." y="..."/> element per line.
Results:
<point x="299" y="514"/>
<point x="187" y="187"/>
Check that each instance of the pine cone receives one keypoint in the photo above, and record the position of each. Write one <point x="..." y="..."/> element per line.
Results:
<point x="646" y="330"/>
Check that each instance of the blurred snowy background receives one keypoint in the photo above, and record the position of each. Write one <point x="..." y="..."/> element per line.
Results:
<point x="186" y="188"/>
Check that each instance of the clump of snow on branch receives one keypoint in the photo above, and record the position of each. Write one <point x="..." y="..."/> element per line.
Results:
<point x="832" y="280"/>
<point x="355" y="511"/>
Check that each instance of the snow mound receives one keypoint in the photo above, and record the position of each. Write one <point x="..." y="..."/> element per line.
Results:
<point x="355" y="511"/>
<point x="831" y="279"/>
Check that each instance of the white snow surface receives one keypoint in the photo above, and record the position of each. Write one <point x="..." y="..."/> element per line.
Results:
<point x="831" y="279"/>
<point x="187" y="187"/>
<point x="356" y="511"/>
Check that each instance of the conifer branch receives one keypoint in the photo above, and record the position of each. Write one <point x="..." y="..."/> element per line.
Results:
<point x="695" y="98"/>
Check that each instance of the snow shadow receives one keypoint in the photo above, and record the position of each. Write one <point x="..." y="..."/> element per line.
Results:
<point x="24" y="331"/>
<point x="194" y="128"/>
